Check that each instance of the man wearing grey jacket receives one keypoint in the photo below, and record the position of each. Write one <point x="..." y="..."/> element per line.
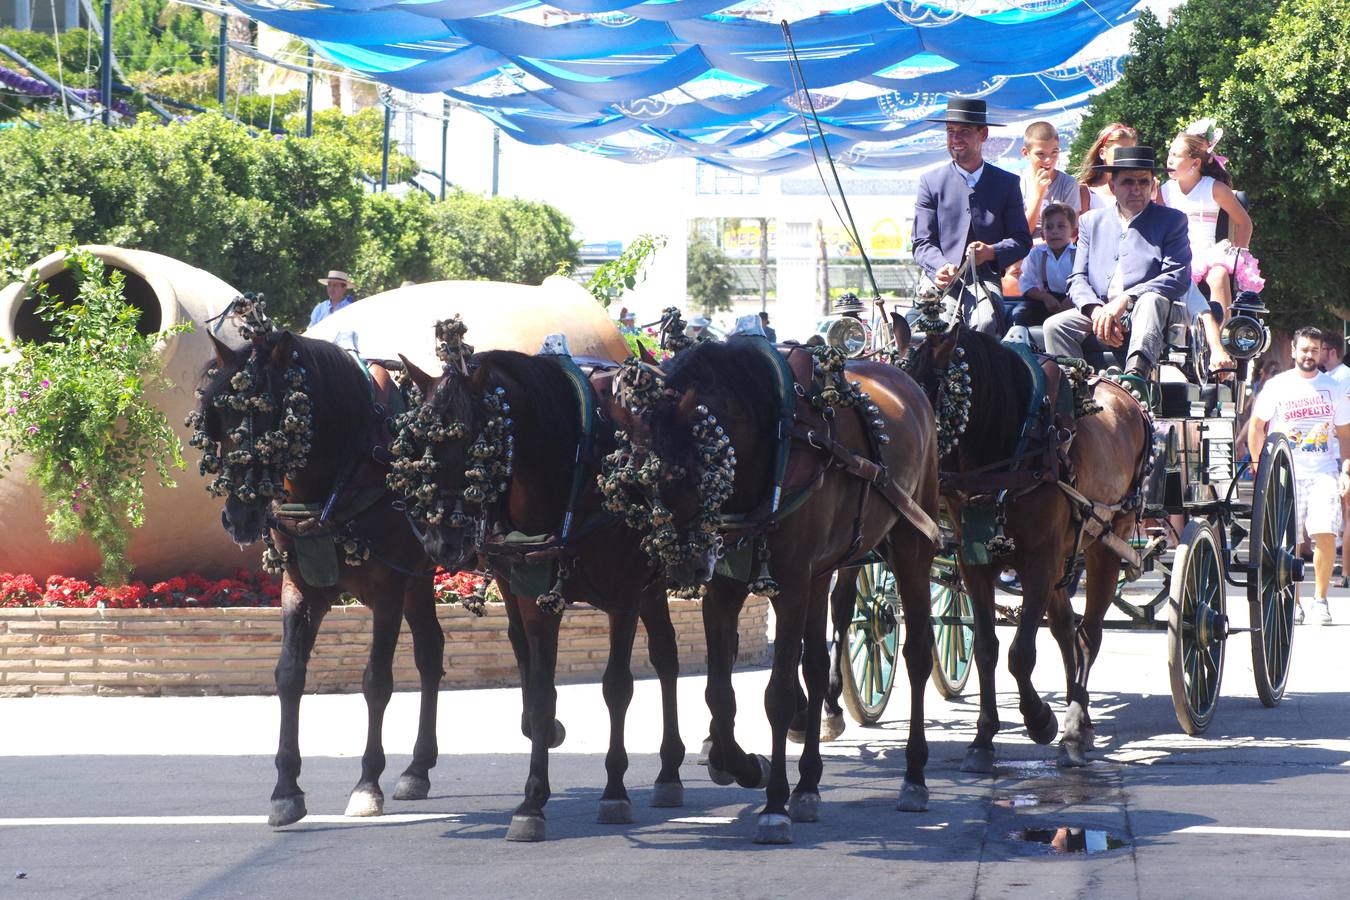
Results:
<point x="1133" y="261"/>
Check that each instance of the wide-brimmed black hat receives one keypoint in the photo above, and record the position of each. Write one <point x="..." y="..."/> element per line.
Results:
<point x="1130" y="158"/>
<point x="962" y="111"/>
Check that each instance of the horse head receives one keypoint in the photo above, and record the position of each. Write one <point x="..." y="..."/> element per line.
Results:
<point x="679" y="438"/>
<point x="253" y="426"/>
<point x="432" y="456"/>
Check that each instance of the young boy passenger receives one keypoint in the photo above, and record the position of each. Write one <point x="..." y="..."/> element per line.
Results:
<point x="1042" y="182"/>
<point x="1046" y="270"/>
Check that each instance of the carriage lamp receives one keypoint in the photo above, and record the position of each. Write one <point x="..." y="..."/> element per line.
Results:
<point x="849" y="334"/>
<point x="1245" y="337"/>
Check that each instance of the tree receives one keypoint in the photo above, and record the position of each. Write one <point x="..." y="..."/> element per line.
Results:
<point x="709" y="280"/>
<point x="1173" y="67"/>
<point x="1285" y="107"/>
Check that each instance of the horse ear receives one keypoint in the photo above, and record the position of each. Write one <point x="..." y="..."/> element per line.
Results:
<point x="944" y="347"/>
<point x="646" y="356"/>
<point x="419" y="378"/>
<point x="903" y="334"/>
<point x="684" y="410"/>
<point x="225" y="357"/>
<point x="281" y="352"/>
<point x="478" y="378"/>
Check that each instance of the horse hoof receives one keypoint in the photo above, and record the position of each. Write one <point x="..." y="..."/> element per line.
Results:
<point x="559" y="735"/>
<point x="720" y="777"/>
<point x="804" y="807"/>
<point x="615" y="812"/>
<point x="979" y="760"/>
<point x="287" y="811"/>
<point x="365" y="803"/>
<point x="796" y="735"/>
<point x="1044" y="734"/>
<point x="412" y="787"/>
<point x="831" y="727"/>
<point x="773" y="828"/>
<point x="913" y="798"/>
<point x="764" y="769"/>
<point x="1072" y="755"/>
<point x="668" y="795"/>
<point x="1089" y="740"/>
<point x="526" y="828"/>
<point x="703" y="753"/>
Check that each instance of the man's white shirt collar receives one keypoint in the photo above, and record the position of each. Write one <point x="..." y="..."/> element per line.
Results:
<point x="972" y="178"/>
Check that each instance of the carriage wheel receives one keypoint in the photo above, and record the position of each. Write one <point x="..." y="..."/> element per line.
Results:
<point x="873" y="644"/>
<point x="1197" y="627"/>
<point x="953" y="631"/>
<point x="1271" y="571"/>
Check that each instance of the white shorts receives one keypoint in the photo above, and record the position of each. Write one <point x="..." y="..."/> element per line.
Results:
<point x="1319" y="505"/>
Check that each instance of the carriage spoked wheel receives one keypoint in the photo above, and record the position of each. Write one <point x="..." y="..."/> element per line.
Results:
<point x="1197" y="627"/>
<point x="1273" y="568"/>
<point x="953" y="631"/>
<point x="873" y="650"/>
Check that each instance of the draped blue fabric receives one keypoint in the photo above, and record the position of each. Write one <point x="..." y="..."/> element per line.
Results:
<point x="711" y="78"/>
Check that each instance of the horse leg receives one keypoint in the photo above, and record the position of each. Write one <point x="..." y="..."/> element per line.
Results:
<point x="300" y="619"/>
<point x="979" y="582"/>
<point x="419" y="609"/>
<point x="911" y="561"/>
<point x="541" y="635"/>
<point x="377" y="685"/>
<point x="804" y="805"/>
<point x="663" y="651"/>
<point x="780" y="701"/>
<point x="727" y="762"/>
<point x="1103" y="569"/>
<point x="1037" y="574"/>
<point x="843" y="601"/>
<point x="520" y="646"/>
<point x="617" y="686"/>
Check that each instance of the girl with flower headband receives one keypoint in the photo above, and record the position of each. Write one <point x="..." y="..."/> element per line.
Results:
<point x="1200" y="186"/>
<point x="1091" y="171"/>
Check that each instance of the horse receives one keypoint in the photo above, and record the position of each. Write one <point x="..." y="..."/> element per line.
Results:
<point x="708" y="463"/>
<point x="1044" y="513"/>
<point x="534" y="473"/>
<point x="289" y="426"/>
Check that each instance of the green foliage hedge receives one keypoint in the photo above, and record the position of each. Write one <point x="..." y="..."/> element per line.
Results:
<point x="263" y="213"/>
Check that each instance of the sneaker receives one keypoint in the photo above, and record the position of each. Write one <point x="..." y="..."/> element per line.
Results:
<point x="1344" y="582"/>
<point x="1320" y="611"/>
<point x="1298" y="612"/>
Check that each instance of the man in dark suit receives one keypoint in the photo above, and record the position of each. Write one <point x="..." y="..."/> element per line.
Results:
<point x="1133" y="261"/>
<point x="970" y="207"/>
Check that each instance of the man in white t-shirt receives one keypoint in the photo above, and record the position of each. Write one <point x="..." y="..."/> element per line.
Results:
<point x="1333" y="355"/>
<point x="1313" y="412"/>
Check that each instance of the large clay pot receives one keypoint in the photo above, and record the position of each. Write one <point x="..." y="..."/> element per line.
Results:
<point x="182" y="530"/>
<point x="499" y="316"/>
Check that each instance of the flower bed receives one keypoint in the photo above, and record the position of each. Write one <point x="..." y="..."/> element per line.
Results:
<point x="181" y="637"/>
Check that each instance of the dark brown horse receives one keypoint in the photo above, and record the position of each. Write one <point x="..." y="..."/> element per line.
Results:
<point x="1105" y="463"/>
<point x="546" y="539"/>
<point x="289" y="424"/>
<point x="848" y="492"/>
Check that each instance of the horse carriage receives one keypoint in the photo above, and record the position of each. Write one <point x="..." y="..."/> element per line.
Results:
<point x="1237" y="527"/>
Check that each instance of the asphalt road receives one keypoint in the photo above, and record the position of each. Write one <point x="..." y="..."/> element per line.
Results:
<point x="1258" y="807"/>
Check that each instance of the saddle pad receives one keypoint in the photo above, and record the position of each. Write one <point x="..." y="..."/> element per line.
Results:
<point x="318" y="560"/>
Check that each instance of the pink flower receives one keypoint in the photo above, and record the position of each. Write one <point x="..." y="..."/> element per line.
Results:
<point x="23" y="394"/>
<point x="46" y="383"/>
<point x="32" y="429"/>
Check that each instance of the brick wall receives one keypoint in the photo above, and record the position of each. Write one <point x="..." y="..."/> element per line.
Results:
<point x="233" y="651"/>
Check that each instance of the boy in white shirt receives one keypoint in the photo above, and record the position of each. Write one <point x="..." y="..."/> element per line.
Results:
<point x="1045" y="271"/>
<point x="1313" y="412"/>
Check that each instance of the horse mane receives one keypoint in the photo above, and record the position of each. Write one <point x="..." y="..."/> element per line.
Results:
<point x="1000" y="390"/>
<point x="545" y="420"/>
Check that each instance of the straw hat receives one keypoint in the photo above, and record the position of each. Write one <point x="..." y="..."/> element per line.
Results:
<point x="335" y="275"/>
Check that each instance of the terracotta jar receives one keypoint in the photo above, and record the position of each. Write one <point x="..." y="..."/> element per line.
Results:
<point x="182" y="529"/>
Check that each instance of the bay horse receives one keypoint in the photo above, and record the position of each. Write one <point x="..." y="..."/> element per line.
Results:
<point x="1006" y="456"/>
<point x="289" y="425"/>
<point x="853" y="481"/>
<point x="549" y="543"/>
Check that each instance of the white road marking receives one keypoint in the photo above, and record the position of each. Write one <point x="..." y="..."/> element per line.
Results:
<point x="394" y="819"/>
<point x="1265" y="832"/>
<point x="704" y="820"/>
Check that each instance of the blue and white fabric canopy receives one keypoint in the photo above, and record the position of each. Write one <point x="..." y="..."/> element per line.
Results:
<point x="710" y="79"/>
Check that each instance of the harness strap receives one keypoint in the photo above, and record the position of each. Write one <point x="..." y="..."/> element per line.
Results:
<point x="874" y="475"/>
